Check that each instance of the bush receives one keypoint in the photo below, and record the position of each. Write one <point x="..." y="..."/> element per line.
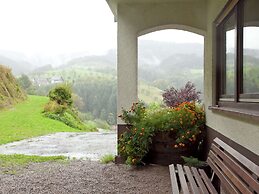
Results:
<point x="24" y="82"/>
<point x="173" y="97"/>
<point x="134" y="145"/>
<point x="62" y="94"/>
<point x="69" y="119"/>
<point x="60" y="108"/>
<point x="54" y="107"/>
<point x="135" y="114"/>
<point x="186" y="122"/>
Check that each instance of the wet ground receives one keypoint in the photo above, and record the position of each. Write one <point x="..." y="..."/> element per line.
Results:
<point x="90" y="145"/>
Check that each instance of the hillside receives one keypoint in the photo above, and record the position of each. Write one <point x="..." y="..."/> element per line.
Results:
<point x="29" y="121"/>
<point x="94" y="77"/>
<point x="10" y="91"/>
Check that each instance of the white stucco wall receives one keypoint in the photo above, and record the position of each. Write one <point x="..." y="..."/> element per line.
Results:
<point x="135" y="19"/>
<point x="242" y="130"/>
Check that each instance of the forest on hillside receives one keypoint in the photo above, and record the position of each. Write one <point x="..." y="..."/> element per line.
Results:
<point x="94" y="78"/>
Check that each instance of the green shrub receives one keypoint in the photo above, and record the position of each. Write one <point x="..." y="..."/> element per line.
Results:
<point x="69" y="119"/>
<point x="54" y="107"/>
<point x="195" y="162"/>
<point x="62" y="94"/>
<point x="60" y="108"/>
<point x="134" y="145"/>
<point x="135" y="115"/>
<point x="24" y="81"/>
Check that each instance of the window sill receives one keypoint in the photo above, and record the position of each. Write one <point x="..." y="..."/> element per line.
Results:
<point x="249" y="114"/>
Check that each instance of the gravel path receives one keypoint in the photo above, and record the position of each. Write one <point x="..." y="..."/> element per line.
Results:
<point x="89" y="145"/>
<point x="82" y="176"/>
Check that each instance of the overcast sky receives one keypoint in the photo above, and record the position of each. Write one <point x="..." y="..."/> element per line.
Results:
<point x="51" y="27"/>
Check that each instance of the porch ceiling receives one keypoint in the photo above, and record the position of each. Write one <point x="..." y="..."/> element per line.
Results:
<point x="113" y="3"/>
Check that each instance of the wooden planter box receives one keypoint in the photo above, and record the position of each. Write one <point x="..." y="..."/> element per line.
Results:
<point x="162" y="150"/>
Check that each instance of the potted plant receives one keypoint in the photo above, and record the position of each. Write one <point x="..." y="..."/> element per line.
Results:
<point x="161" y="135"/>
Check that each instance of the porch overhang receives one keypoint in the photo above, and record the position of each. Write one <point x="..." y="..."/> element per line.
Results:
<point x="138" y="17"/>
<point x="113" y="4"/>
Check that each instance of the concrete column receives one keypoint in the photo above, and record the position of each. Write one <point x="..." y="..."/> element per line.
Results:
<point x="127" y="67"/>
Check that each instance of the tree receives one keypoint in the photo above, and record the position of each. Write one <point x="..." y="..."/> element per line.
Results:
<point x="24" y="82"/>
<point x="62" y="94"/>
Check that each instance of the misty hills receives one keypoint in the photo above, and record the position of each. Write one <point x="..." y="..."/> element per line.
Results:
<point x="16" y="61"/>
<point x="151" y="53"/>
<point x="155" y="52"/>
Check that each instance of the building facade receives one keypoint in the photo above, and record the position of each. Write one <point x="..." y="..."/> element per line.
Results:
<point x="231" y="75"/>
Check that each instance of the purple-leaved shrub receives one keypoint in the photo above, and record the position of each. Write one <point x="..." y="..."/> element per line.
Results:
<point x="173" y="97"/>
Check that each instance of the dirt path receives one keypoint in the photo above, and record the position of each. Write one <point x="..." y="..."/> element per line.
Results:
<point x="91" y="145"/>
<point x="78" y="177"/>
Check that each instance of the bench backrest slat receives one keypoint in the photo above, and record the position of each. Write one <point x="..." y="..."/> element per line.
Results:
<point x="234" y="166"/>
<point x="235" y="171"/>
<point x="235" y="180"/>
<point x="242" y="159"/>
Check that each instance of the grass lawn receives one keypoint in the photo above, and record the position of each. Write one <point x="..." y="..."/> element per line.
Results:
<point x="23" y="160"/>
<point x="25" y="121"/>
<point x="9" y="163"/>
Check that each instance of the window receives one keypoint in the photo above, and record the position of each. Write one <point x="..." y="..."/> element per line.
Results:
<point x="238" y="57"/>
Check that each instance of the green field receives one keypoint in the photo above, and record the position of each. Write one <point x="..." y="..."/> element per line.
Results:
<point x="25" y="121"/>
<point x="149" y="94"/>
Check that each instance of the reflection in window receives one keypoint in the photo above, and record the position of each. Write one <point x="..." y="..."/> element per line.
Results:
<point x="251" y="48"/>
<point x="229" y="29"/>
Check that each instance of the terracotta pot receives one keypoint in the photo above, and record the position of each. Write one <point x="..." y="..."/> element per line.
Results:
<point x="162" y="150"/>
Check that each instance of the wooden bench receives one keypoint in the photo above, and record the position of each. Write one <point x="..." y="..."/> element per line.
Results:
<point x="234" y="172"/>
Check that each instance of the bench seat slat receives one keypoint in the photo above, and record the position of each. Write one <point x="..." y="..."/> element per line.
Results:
<point x="200" y="183"/>
<point x="236" y="173"/>
<point x="174" y="184"/>
<point x="182" y="179"/>
<point x="191" y="180"/>
<point x="224" y="181"/>
<point x="246" y="176"/>
<point x="208" y="183"/>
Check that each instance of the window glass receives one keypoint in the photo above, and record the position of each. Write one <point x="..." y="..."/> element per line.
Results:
<point x="251" y="47"/>
<point x="229" y="73"/>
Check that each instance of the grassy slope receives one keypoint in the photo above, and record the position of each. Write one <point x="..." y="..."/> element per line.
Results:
<point x="25" y="121"/>
<point x="149" y="93"/>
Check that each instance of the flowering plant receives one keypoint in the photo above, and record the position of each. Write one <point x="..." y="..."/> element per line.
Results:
<point x="135" y="115"/>
<point x="186" y="121"/>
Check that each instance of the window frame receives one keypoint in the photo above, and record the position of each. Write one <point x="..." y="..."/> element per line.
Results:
<point x="249" y="102"/>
